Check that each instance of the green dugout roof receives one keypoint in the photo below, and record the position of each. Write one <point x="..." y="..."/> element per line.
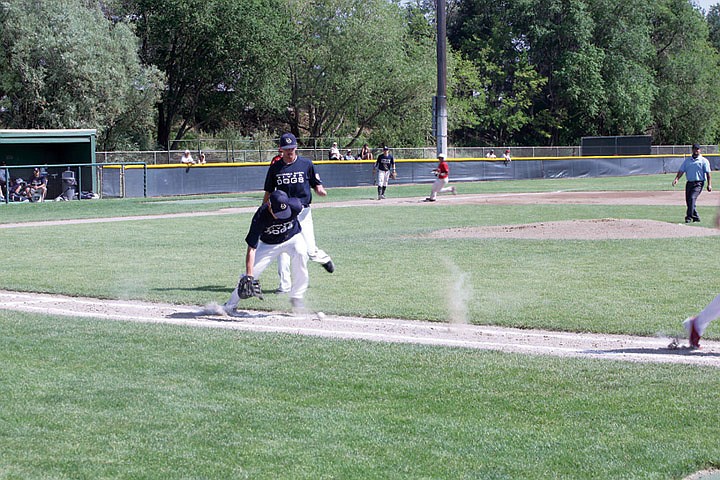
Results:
<point x="47" y="147"/>
<point x="47" y="136"/>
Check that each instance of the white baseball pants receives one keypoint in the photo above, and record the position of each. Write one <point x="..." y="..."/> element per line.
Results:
<point x="313" y="253"/>
<point x="709" y="313"/>
<point x="382" y="178"/>
<point x="295" y="250"/>
<point x="440" y="186"/>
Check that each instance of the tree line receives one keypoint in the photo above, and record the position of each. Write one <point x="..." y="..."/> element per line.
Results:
<point x="149" y="73"/>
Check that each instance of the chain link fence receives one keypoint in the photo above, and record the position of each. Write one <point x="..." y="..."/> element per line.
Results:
<point x="245" y="151"/>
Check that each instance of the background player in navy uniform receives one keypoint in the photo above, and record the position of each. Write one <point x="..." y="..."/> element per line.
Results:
<point x="296" y="176"/>
<point x="275" y="230"/>
<point x="384" y="166"/>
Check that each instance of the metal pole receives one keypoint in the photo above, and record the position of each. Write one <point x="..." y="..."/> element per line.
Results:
<point x="441" y="98"/>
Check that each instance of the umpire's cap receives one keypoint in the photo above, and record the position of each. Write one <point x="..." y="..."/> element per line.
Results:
<point x="696" y="146"/>
<point x="288" y="141"/>
<point x="279" y="205"/>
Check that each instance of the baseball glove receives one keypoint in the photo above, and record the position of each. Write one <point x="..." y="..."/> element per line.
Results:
<point x="249" y="287"/>
<point x="393" y="175"/>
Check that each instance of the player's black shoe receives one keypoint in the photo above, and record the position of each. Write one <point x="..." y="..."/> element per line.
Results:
<point x="329" y="266"/>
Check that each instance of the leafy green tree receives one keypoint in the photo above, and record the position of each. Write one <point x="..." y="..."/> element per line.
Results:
<point x="221" y="58"/>
<point x="495" y="91"/>
<point x="63" y="65"/>
<point x="621" y="31"/>
<point x="713" y="20"/>
<point x="356" y="68"/>
<point x="686" y="107"/>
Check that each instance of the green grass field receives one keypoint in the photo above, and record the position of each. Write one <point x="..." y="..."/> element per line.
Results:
<point x="90" y="399"/>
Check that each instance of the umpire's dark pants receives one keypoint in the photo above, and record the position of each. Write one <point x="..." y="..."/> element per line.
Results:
<point x="692" y="192"/>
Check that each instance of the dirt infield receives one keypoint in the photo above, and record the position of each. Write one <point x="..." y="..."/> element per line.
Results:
<point x="610" y="347"/>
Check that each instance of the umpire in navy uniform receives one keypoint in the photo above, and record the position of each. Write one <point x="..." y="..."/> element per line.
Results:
<point x="696" y="169"/>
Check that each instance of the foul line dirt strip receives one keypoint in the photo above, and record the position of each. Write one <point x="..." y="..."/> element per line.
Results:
<point x="509" y="340"/>
<point x="675" y="198"/>
<point x="78" y="221"/>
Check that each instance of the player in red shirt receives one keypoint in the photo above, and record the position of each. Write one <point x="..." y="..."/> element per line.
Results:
<point x="442" y="172"/>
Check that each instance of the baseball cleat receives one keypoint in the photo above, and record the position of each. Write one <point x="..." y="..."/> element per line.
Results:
<point x="693" y="335"/>
<point x="329" y="266"/>
<point x="454" y="191"/>
<point x="229" y="309"/>
<point x="429" y="200"/>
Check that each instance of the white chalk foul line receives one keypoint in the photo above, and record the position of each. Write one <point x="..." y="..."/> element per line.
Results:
<point x="323" y="332"/>
<point x="416" y="332"/>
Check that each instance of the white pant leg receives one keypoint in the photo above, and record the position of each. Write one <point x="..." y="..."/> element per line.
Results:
<point x="298" y="257"/>
<point x="308" y="233"/>
<point x="284" y="272"/>
<point x="445" y="188"/>
<point x="709" y="313"/>
<point x="264" y="256"/>
<point x="437" y="186"/>
<point x="383" y="177"/>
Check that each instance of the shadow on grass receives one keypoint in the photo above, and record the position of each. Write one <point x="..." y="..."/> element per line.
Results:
<point x="203" y="288"/>
<point x="684" y="351"/>
<point x="209" y="288"/>
<point x="218" y="316"/>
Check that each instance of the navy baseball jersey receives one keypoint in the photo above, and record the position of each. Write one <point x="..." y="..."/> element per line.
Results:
<point x="297" y="179"/>
<point x="385" y="162"/>
<point x="271" y="230"/>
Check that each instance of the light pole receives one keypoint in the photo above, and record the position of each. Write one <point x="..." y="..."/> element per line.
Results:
<point x="440" y="100"/>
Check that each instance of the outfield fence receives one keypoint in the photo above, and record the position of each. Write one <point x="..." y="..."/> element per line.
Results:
<point x="134" y="179"/>
<point x="167" y="180"/>
<point x="229" y="154"/>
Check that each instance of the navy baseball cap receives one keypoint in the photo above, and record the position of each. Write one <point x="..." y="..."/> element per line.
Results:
<point x="696" y="146"/>
<point x="288" y="141"/>
<point x="279" y="205"/>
